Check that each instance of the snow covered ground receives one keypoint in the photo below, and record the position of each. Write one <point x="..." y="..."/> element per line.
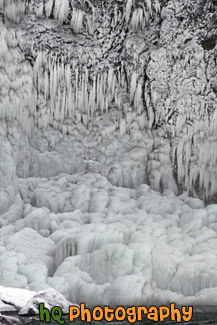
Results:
<point x="104" y="133"/>
<point x="100" y="243"/>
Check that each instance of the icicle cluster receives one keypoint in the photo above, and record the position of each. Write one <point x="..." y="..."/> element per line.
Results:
<point x="138" y="18"/>
<point x="14" y="9"/>
<point x="136" y="92"/>
<point x="61" y="10"/>
<point x="77" y="20"/>
<point x="17" y="95"/>
<point x="70" y="90"/>
<point x="195" y="156"/>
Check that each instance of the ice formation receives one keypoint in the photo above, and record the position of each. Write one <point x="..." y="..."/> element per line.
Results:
<point x="108" y="151"/>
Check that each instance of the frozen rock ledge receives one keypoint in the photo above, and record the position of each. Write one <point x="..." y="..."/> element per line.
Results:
<point x="26" y="302"/>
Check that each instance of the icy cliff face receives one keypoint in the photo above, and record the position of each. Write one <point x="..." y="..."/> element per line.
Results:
<point x="139" y="65"/>
<point x="96" y="100"/>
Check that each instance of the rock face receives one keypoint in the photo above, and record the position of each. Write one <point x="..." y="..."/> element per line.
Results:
<point x="108" y="149"/>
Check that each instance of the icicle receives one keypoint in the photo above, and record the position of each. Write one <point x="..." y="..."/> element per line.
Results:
<point x="187" y="161"/>
<point x="91" y="22"/>
<point x="48" y="7"/>
<point x="52" y="85"/>
<point x="57" y="105"/>
<point x="13" y="10"/>
<point x="128" y="10"/>
<point x="149" y="6"/>
<point x="110" y="80"/>
<point x="102" y="104"/>
<point x="2" y="4"/>
<point x="180" y="122"/>
<point x="157" y="6"/>
<point x="138" y="19"/>
<point x="98" y="92"/>
<point x="68" y="76"/>
<point x="93" y="97"/>
<point x="106" y="104"/>
<point x="86" y="91"/>
<point x="46" y="86"/>
<point x="39" y="10"/>
<point x="138" y="98"/>
<point x="133" y="85"/>
<point x="115" y="15"/>
<point x="214" y="123"/>
<point x="213" y="187"/>
<point x="146" y="16"/>
<point x="70" y="106"/>
<point x="77" y="20"/>
<point x="180" y="161"/>
<point x="62" y="114"/>
<point x="154" y="96"/>
<point x="3" y="48"/>
<point x="61" y="10"/>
